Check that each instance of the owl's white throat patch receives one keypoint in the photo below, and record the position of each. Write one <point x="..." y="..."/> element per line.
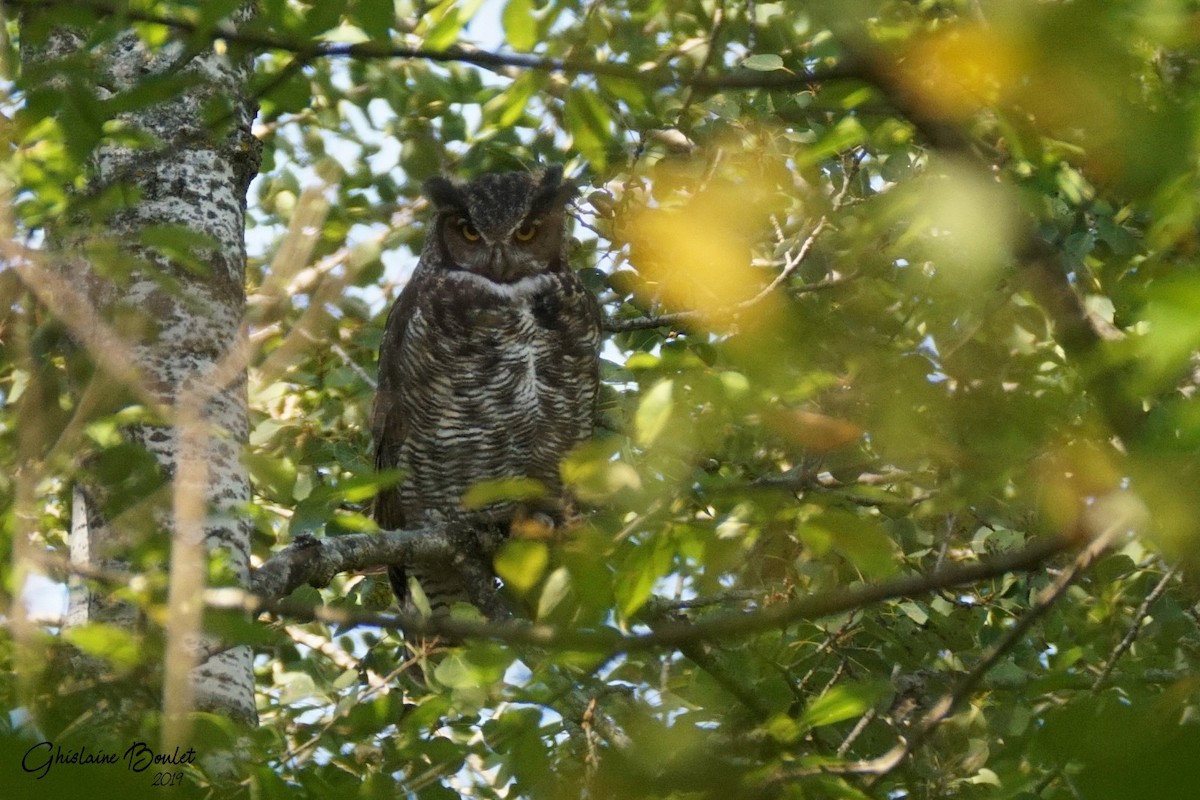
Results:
<point x="518" y="289"/>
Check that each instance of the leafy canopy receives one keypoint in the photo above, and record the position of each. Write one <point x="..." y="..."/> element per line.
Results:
<point x="892" y="287"/>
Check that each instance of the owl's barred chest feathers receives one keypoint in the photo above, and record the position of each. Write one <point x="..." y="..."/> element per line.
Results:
<point x="499" y="384"/>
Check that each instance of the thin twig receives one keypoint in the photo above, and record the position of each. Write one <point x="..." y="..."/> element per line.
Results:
<point x="337" y="655"/>
<point x="1139" y="619"/>
<point x="382" y="686"/>
<point x="660" y="605"/>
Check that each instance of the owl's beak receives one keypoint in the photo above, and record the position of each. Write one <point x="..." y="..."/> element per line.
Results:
<point x="501" y="266"/>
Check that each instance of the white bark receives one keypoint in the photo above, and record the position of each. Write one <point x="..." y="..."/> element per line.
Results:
<point x="190" y="349"/>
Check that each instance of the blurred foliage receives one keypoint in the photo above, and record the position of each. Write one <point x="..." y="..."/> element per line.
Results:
<point x="853" y="380"/>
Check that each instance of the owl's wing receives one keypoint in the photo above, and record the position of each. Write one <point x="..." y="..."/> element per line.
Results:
<point x="388" y="427"/>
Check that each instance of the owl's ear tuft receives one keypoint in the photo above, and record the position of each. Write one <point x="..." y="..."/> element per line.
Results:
<point x="444" y="193"/>
<point x="552" y="177"/>
<point x="551" y="190"/>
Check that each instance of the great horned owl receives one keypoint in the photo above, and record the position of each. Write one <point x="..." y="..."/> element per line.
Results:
<point x="488" y="364"/>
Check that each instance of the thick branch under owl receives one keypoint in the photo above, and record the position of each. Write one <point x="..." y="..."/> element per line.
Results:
<point x="315" y="561"/>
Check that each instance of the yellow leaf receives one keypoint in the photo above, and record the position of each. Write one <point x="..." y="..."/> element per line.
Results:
<point x="695" y="256"/>
<point x="815" y="432"/>
<point x="960" y="69"/>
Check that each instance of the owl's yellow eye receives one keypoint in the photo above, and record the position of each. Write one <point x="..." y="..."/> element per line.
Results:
<point x="468" y="231"/>
<point x="525" y="233"/>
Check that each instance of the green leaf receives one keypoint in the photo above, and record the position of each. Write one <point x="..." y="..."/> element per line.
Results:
<point x="631" y="92"/>
<point x="1117" y="237"/>
<point x="296" y="686"/>
<point x="763" y="63"/>
<point x="235" y="626"/>
<point x="846" y="134"/>
<point x="640" y="571"/>
<point x="499" y="490"/>
<point x="149" y="91"/>
<point x="448" y="21"/>
<point x="322" y="16"/>
<point x="941" y="605"/>
<point x="841" y="702"/>
<point x="783" y="728"/>
<point x="507" y="107"/>
<point x="347" y="679"/>
<point x="556" y="589"/>
<point x="275" y="477"/>
<point x="914" y="612"/>
<point x="859" y="539"/>
<point x="654" y="412"/>
<point x="20" y="379"/>
<point x="360" y="488"/>
<point x="481" y="665"/>
<point x="522" y="563"/>
<point x="214" y="11"/>
<point x="288" y="94"/>
<point x="589" y="122"/>
<point x="520" y="26"/>
<point x="181" y="244"/>
<point x="593" y="471"/>
<point x="375" y="17"/>
<point x="453" y="671"/>
<point x="109" y="642"/>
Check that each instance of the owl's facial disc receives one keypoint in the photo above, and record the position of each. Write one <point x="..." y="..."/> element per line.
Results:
<point x="499" y="254"/>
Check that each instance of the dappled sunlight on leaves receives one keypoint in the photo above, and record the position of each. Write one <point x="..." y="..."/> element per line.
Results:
<point x="958" y="70"/>
<point x="860" y="540"/>
<point x="964" y="223"/>
<point x="693" y="249"/>
<point x="891" y="291"/>
<point x="1070" y="478"/>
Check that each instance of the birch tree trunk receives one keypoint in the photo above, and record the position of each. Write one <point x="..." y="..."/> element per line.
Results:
<point x="179" y="177"/>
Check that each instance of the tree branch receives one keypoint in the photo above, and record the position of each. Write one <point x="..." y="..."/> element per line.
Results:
<point x="950" y="702"/>
<point x="674" y="318"/>
<point x="315" y="561"/>
<point x="882" y="765"/>
<point x="307" y="50"/>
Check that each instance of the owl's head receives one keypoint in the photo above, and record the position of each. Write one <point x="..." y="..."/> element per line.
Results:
<point x="504" y="226"/>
